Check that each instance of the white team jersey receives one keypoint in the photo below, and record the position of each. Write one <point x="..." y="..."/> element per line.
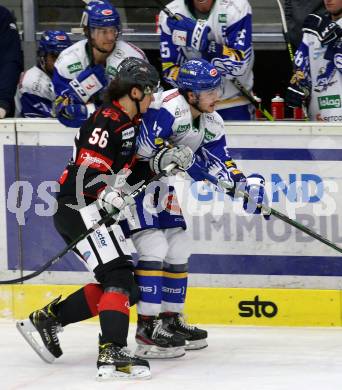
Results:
<point x="224" y="15"/>
<point x="324" y="77"/>
<point x="37" y="86"/>
<point x="73" y="60"/>
<point x="172" y="120"/>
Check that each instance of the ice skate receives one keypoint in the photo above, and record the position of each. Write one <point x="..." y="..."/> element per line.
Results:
<point x="116" y="363"/>
<point x="44" y="323"/>
<point x="175" y="323"/>
<point x="154" y="342"/>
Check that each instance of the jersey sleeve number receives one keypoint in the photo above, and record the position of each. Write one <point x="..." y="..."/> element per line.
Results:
<point x="99" y="137"/>
<point x="164" y="50"/>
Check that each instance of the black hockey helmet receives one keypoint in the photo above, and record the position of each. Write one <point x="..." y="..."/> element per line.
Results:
<point x="135" y="72"/>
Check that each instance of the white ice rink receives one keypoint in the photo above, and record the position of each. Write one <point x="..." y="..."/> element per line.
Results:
<point x="238" y="358"/>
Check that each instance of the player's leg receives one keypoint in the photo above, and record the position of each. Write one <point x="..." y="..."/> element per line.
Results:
<point x="153" y="341"/>
<point x="175" y="280"/>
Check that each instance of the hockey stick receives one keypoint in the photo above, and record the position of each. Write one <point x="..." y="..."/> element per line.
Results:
<point x="289" y="45"/>
<point x="247" y="94"/>
<point x="285" y="30"/>
<point x="82" y="236"/>
<point x="270" y="211"/>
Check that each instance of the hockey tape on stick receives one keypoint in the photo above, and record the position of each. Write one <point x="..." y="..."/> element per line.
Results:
<point x="82" y="236"/>
<point x="270" y="211"/>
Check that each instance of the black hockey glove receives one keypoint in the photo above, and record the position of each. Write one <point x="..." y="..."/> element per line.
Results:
<point x="324" y="28"/>
<point x="294" y="96"/>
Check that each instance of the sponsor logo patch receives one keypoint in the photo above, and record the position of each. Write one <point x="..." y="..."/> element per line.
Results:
<point x="331" y="101"/>
<point x="129" y="133"/>
<point x="222" y="18"/>
<point x="76" y="67"/>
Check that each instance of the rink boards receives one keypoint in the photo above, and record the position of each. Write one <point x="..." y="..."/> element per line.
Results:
<point x="225" y="306"/>
<point x="231" y="253"/>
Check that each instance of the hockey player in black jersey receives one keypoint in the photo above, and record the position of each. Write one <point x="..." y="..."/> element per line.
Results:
<point x="105" y="144"/>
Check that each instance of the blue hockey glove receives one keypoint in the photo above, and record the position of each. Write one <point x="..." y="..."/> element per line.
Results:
<point x="255" y="188"/>
<point x="89" y="82"/>
<point x="323" y="27"/>
<point x="188" y="32"/>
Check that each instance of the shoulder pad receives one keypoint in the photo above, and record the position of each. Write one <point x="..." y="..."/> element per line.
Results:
<point x="72" y="60"/>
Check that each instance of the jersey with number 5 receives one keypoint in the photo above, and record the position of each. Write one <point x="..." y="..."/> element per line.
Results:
<point x="104" y="145"/>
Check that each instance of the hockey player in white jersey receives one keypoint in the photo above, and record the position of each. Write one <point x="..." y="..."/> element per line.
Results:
<point x="219" y="31"/>
<point x="84" y="70"/>
<point x="35" y="95"/>
<point x="185" y="118"/>
<point x="317" y="80"/>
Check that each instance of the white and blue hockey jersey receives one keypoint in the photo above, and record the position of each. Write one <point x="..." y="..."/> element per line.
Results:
<point x="35" y="95"/>
<point x="230" y="47"/>
<point x="72" y="61"/>
<point x="169" y="118"/>
<point x="319" y="71"/>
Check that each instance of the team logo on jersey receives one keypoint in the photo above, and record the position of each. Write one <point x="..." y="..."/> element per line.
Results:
<point x="338" y="61"/>
<point x="222" y="18"/>
<point x="107" y="12"/>
<point x="76" y="67"/>
<point x="328" y="102"/>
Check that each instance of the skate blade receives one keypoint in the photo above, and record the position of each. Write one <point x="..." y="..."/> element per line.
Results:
<point x="26" y="329"/>
<point x="109" y="373"/>
<point x="154" y="352"/>
<point x="193" y="345"/>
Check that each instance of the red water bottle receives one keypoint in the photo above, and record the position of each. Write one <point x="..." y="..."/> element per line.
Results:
<point x="298" y="113"/>
<point x="278" y="107"/>
<point x="258" y="113"/>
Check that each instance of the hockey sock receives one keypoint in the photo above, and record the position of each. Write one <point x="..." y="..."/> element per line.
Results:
<point x="175" y="281"/>
<point x="80" y="305"/>
<point x="114" y="318"/>
<point x="149" y="276"/>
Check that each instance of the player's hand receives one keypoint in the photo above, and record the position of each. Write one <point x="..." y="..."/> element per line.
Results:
<point x="255" y="188"/>
<point x="180" y="155"/>
<point x="112" y="199"/>
<point x="323" y="27"/>
<point x="189" y="32"/>
<point x="89" y="82"/>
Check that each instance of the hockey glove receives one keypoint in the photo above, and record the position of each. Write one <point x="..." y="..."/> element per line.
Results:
<point x="323" y="27"/>
<point x="294" y="97"/>
<point x="188" y="32"/>
<point x="111" y="199"/>
<point x="255" y="188"/>
<point x="89" y="82"/>
<point x="180" y="155"/>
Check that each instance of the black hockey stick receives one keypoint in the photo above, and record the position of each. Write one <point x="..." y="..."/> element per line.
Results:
<point x="82" y="236"/>
<point x="270" y="211"/>
<point x="289" y="45"/>
<point x="243" y="90"/>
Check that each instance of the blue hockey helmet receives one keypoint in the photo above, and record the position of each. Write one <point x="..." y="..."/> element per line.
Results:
<point x="197" y="76"/>
<point x="53" y="42"/>
<point x="100" y="14"/>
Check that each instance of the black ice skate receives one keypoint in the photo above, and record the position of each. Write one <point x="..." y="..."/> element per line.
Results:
<point x="154" y="342"/>
<point x="117" y="363"/>
<point x="175" y="323"/>
<point x="45" y="323"/>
